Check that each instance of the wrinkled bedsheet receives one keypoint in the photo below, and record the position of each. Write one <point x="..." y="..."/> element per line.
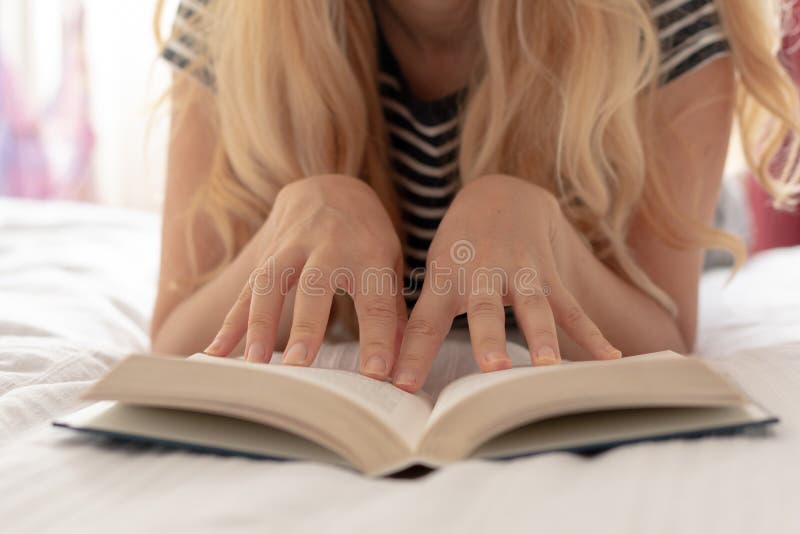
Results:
<point x="77" y="284"/>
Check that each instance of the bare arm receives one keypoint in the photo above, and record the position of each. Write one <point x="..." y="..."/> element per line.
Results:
<point x="185" y="318"/>
<point x="694" y="117"/>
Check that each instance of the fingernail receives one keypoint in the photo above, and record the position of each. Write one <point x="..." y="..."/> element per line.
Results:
<point x="546" y="356"/>
<point x="296" y="355"/>
<point x="497" y="357"/>
<point x="214" y="347"/>
<point x="405" y="379"/>
<point x="255" y="352"/>
<point x="613" y="354"/>
<point x="375" y="366"/>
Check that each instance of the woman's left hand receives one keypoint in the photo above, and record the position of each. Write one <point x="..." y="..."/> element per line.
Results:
<point x="500" y="244"/>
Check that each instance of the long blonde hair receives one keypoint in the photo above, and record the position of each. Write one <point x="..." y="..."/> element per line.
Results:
<point x="562" y="97"/>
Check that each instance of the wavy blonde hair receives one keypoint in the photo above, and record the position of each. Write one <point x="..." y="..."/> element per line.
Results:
<point x="296" y="95"/>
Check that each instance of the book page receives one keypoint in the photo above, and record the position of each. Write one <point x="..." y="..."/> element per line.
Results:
<point x="456" y="360"/>
<point x="468" y="386"/>
<point x="598" y="430"/>
<point x="477" y="407"/>
<point x="403" y="412"/>
<point x="196" y="429"/>
<point x="369" y="423"/>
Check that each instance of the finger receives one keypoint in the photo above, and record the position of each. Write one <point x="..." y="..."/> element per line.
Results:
<point x="573" y="319"/>
<point x="487" y="330"/>
<point x="402" y="320"/>
<point x="268" y="287"/>
<point x="233" y="326"/>
<point x="535" y="319"/>
<point x="312" y="307"/>
<point x="377" y="328"/>
<point x="262" y="325"/>
<point x="402" y="309"/>
<point x="427" y="327"/>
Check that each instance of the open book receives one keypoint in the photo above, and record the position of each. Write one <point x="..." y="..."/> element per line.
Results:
<point x="333" y="415"/>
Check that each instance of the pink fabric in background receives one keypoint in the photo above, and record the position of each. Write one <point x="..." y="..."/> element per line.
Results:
<point x="772" y="228"/>
<point x="46" y="153"/>
<point x="23" y="166"/>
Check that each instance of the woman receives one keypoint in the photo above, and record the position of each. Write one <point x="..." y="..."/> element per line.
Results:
<point x="559" y="160"/>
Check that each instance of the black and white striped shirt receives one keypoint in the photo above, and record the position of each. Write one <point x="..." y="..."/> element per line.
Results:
<point x="424" y="136"/>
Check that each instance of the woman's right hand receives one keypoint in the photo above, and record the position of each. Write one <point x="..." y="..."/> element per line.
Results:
<point x="324" y="233"/>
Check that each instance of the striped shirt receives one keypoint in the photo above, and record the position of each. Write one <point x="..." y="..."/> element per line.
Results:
<point x="424" y="138"/>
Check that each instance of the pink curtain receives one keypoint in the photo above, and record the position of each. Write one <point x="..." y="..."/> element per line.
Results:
<point x="46" y="153"/>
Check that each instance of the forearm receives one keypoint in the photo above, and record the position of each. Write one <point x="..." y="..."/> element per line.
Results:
<point x="629" y="318"/>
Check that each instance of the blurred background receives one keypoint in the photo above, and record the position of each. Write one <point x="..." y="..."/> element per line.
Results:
<point x="79" y="80"/>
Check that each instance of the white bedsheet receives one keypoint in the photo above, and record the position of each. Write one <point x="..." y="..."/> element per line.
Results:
<point x="76" y="286"/>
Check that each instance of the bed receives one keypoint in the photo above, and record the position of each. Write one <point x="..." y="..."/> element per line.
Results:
<point x="77" y="284"/>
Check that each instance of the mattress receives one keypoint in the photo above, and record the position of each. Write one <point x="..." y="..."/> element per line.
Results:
<point x="77" y="284"/>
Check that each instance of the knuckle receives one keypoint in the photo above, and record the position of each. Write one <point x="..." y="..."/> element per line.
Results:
<point x="484" y="308"/>
<point x="421" y="328"/>
<point x="260" y="322"/>
<point x="577" y="319"/>
<point x="574" y="316"/>
<point x="307" y="327"/>
<point x="376" y="277"/>
<point x="285" y="252"/>
<point x="229" y="324"/>
<point x="244" y="295"/>
<point x="314" y="280"/>
<point x="380" y="309"/>
<point x="535" y="300"/>
<point x="594" y="332"/>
